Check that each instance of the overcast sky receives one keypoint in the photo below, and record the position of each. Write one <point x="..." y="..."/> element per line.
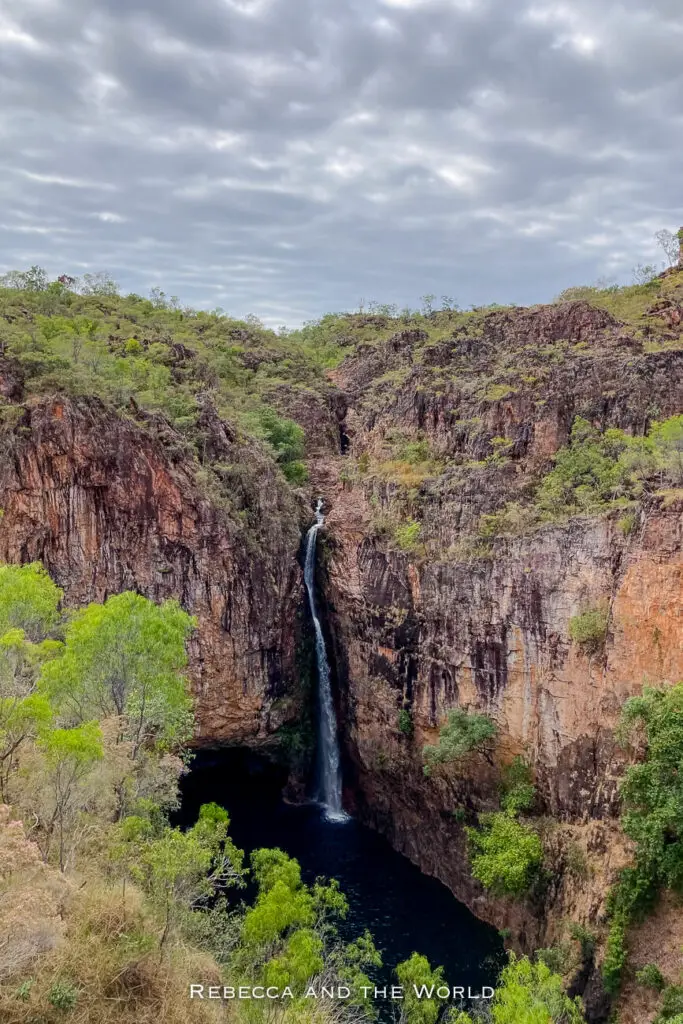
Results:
<point x="291" y="157"/>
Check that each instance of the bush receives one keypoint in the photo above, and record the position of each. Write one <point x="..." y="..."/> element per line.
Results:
<point x="651" y="977"/>
<point x="295" y="472"/>
<point x="588" y="629"/>
<point x="407" y="535"/>
<point x="585" y="938"/>
<point x="405" y="722"/>
<point x="615" y="956"/>
<point x="628" y="523"/>
<point x="63" y="996"/>
<point x="505" y="854"/>
<point x="529" y="993"/>
<point x="652" y="791"/>
<point x="518" y="790"/>
<point x="671" y="1008"/>
<point x="464" y="732"/>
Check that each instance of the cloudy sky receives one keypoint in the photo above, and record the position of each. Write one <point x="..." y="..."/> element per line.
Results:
<point x="290" y="157"/>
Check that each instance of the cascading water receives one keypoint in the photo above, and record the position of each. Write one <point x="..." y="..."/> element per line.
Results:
<point x="329" y="767"/>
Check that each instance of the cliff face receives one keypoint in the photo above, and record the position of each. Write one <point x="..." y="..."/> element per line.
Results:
<point x="107" y="503"/>
<point x="486" y="625"/>
<point x="419" y="439"/>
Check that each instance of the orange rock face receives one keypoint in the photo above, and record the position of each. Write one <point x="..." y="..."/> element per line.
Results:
<point x="448" y="627"/>
<point x="106" y="508"/>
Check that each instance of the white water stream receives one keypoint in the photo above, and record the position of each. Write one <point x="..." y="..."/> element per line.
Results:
<point x="329" y="767"/>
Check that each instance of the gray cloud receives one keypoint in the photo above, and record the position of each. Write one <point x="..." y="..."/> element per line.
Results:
<point x="288" y="157"/>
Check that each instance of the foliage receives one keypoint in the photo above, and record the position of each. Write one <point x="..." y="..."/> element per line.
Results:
<point x="667" y="441"/>
<point x="287" y="440"/>
<point x="531" y="993"/>
<point x="23" y="711"/>
<point x="505" y="854"/>
<point x="69" y="756"/>
<point x="180" y="871"/>
<point x="463" y="733"/>
<point x="590" y="472"/>
<point x="63" y="996"/>
<point x="652" y="791"/>
<point x="518" y="791"/>
<point x="125" y="658"/>
<point x="671" y="1007"/>
<point x="615" y="956"/>
<point x="405" y="722"/>
<point x="596" y="471"/>
<point x="29" y="600"/>
<point x="585" y="938"/>
<point x="419" y="979"/>
<point x="652" y="795"/>
<point x="407" y="535"/>
<point x="651" y="977"/>
<point x="588" y="628"/>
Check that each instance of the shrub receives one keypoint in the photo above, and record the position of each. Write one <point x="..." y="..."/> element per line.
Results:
<point x="464" y="732"/>
<point x="615" y="955"/>
<point x="295" y="472"/>
<point x="63" y="996"/>
<point x="651" y="977"/>
<point x="518" y="791"/>
<point x="505" y="854"/>
<point x="627" y="523"/>
<point x="577" y="864"/>
<point x="407" y="535"/>
<point x="671" y="1008"/>
<point x="588" y="629"/>
<point x="405" y="722"/>
<point x="652" y="791"/>
<point x="554" y="957"/>
<point x="530" y="993"/>
<point x="667" y="438"/>
<point x="585" y="938"/>
<point x="588" y="473"/>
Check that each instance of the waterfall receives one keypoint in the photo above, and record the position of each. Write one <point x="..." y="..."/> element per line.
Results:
<point x="329" y="768"/>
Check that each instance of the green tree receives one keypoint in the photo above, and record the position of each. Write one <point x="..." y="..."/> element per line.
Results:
<point x="29" y="600"/>
<point x="125" y="658"/>
<point x="667" y="438"/>
<point x="530" y="993"/>
<point x="504" y="853"/>
<point x="69" y="756"/>
<point x="354" y="961"/>
<point x="517" y="788"/>
<point x="464" y="732"/>
<point x="29" y="604"/>
<point x="180" y="871"/>
<point x="23" y="712"/>
<point x="420" y="1005"/>
<point x="652" y="791"/>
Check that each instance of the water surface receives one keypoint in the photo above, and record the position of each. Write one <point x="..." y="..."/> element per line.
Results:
<point x="404" y="910"/>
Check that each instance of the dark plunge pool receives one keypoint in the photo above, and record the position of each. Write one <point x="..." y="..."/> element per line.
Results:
<point x="404" y="910"/>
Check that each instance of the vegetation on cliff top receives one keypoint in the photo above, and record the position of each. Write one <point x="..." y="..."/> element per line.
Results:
<point x="450" y="372"/>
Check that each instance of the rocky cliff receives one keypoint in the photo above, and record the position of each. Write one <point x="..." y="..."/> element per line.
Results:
<point x="107" y="503"/>
<point x="481" y="620"/>
<point x="446" y="580"/>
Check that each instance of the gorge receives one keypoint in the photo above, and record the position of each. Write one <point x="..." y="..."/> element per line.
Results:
<point x="502" y="535"/>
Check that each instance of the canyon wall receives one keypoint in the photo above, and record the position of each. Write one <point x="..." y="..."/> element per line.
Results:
<point x="429" y="431"/>
<point x="110" y="503"/>
<point x="485" y="624"/>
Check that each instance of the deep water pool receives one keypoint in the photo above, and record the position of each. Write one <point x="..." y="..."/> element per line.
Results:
<point x="404" y="910"/>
